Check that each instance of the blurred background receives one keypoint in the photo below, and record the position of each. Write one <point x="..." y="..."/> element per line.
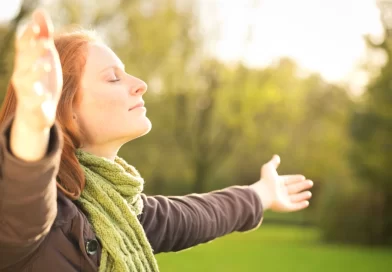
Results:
<point x="233" y="82"/>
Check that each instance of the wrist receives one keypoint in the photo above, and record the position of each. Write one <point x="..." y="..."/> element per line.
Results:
<point x="29" y="121"/>
<point x="262" y="191"/>
<point x="28" y="142"/>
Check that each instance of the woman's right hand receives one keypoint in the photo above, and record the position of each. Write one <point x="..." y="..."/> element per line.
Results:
<point x="37" y="76"/>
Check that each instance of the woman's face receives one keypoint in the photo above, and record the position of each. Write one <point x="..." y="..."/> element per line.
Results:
<point x="111" y="111"/>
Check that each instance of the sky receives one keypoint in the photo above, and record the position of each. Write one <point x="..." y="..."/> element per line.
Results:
<point x="324" y="36"/>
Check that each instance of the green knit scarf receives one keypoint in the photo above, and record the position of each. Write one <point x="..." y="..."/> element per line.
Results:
<point x="111" y="199"/>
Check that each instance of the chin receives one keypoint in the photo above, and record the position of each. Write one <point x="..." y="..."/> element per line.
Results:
<point x="141" y="129"/>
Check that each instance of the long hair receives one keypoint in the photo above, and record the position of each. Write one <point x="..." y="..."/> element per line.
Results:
<point x="72" y="47"/>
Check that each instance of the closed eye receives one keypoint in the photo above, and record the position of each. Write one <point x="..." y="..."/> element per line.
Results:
<point x="114" y="80"/>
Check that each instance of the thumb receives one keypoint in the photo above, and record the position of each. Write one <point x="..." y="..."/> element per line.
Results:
<point x="42" y="18"/>
<point x="275" y="161"/>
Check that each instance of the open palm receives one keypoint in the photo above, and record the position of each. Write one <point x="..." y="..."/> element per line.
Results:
<point x="284" y="193"/>
<point x="37" y="76"/>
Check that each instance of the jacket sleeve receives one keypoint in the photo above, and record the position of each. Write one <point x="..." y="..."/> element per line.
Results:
<point x="27" y="197"/>
<point x="177" y="223"/>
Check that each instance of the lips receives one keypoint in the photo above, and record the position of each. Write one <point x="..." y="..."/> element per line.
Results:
<point x="138" y="105"/>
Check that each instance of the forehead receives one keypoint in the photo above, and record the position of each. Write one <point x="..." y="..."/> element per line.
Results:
<point x="100" y="56"/>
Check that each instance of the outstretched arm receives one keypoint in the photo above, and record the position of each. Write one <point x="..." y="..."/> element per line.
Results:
<point x="177" y="223"/>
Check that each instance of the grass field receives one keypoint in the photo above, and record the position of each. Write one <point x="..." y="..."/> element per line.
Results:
<point x="277" y="249"/>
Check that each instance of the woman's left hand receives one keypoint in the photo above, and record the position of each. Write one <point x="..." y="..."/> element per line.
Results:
<point x="285" y="193"/>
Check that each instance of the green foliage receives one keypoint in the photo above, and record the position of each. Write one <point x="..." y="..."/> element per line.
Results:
<point x="362" y="210"/>
<point x="371" y="129"/>
<point x="356" y="215"/>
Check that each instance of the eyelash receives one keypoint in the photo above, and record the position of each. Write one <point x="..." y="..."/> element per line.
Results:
<point x="114" y="80"/>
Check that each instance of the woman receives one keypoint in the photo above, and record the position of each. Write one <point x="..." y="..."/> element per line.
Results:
<point x="67" y="202"/>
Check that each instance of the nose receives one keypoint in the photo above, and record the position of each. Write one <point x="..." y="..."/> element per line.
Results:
<point x="138" y="86"/>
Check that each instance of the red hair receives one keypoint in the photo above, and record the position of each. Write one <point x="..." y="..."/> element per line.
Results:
<point x="72" y="47"/>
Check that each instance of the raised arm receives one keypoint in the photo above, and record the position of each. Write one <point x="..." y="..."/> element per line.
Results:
<point x="27" y="197"/>
<point x="176" y="223"/>
<point x="30" y="145"/>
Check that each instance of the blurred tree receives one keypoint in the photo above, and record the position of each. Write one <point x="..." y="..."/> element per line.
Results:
<point x="206" y="139"/>
<point x="371" y="128"/>
<point x="362" y="209"/>
<point x="303" y="119"/>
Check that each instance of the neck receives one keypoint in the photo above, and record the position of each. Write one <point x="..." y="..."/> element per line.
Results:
<point x="109" y="153"/>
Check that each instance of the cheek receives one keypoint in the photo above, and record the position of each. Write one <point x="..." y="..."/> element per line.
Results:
<point x="107" y="100"/>
<point x="110" y="99"/>
<point x="104" y="110"/>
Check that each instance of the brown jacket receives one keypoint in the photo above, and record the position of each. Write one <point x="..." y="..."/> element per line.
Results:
<point x="42" y="230"/>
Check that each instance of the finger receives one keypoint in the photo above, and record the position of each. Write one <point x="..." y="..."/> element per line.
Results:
<point x="42" y="18"/>
<point x="41" y="67"/>
<point x="25" y="59"/>
<point x="275" y="161"/>
<point x="27" y="36"/>
<point x="300" y="197"/>
<point x="34" y="97"/>
<point x="299" y="186"/>
<point x="55" y="77"/>
<point x="39" y="101"/>
<point x="31" y="78"/>
<point x="299" y="206"/>
<point x="290" y="179"/>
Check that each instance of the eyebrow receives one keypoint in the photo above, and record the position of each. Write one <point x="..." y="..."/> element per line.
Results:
<point x="122" y="66"/>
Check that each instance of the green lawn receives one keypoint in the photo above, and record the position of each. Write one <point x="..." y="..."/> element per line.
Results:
<point x="276" y="248"/>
